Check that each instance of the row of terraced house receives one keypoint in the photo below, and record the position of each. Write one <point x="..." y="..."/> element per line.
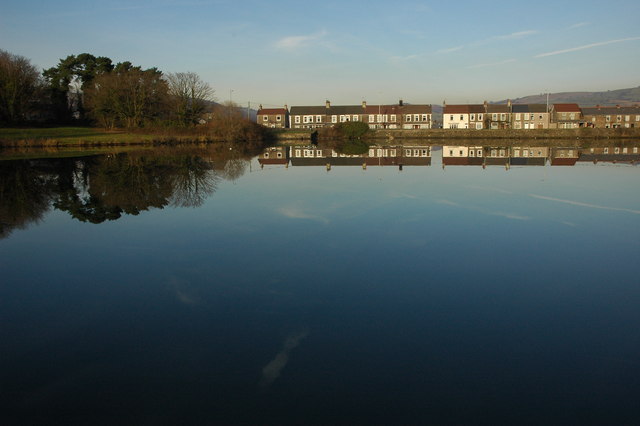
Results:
<point x="462" y="116"/>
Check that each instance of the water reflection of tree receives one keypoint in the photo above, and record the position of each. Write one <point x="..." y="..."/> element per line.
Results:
<point x="101" y="188"/>
<point x="25" y="195"/>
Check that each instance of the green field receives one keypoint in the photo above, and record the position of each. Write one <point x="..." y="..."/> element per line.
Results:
<point x="70" y="136"/>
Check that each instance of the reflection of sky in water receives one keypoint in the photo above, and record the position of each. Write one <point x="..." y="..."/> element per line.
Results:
<point x="370" y="295"/>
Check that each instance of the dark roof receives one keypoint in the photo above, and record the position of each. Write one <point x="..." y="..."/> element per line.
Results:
<point x="308" y="110"/>
<point x="416" y="109"/>
<point x="610" y="110"/>
<point x="497" y="108"/>
<point x="381" y="109"/>
<point x="272" y="111"/>
<point x="519" y="108"/>
<point x="463" y="109"/>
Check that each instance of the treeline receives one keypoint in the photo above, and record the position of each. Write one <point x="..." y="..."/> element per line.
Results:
<point x="88" y="89"/>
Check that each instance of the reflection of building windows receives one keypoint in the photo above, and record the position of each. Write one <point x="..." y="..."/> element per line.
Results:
<point x="279" y="155"/>
<point x="266" y="155"/>
<point x="265" y="118"/>
<point x="606" y="150"/>
<point x="607" y="118"/>
<point x="616" y="150"/>
<point x="472" y="153"/>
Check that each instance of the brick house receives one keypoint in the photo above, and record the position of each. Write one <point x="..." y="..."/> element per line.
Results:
<point x="530" y="116"/>
<point x="566" y="116"/>
<point x="273" y="117"/>
<point x="612" y="117"/>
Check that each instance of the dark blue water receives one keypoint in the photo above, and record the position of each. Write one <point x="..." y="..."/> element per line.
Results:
<point x="160" y="289"/>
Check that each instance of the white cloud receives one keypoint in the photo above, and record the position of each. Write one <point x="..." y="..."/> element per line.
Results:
<point x="450" y="50"/>
<point x="296" y="42"/>
<point x="493" y="64"/>
<point x="579" y="24"/>
<point x="586" y="46"/>
<point x="272" y="370"/>
<point x="581" y="204"/>
<point x="297" y="213"/>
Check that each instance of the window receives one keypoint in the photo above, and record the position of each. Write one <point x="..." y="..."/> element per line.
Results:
<point x="502" y="153"/>
<point x="494" y="117"/>
<point x="472" y="117"/>
<point x="296" y="119"/>
<point x="298" y="153"/>
<point x="606" y="150"/>
<point x="278" y="118"/>
<point x="266" y="155"/>
<point x="461" y="117"/>
<point x="334" y="118"/>
<point x="479" y="117"/>
<point x="572" y="116"/>
<point x="408" y="117"/>
<point x="356" y="118"/>
<point x="379" y="118"/>
<point x="472" y="153"/>
<point x="279" y="154"/>
<point x="372" y="118"/>
<point x="478" y="126"/>
<point x="532" y="116"/>
<point x="393" y="152"/>
<point x="627" y="118"/>
<point x="425" y="117"/>
<point x="393" y="118"/>
<point x="607" y="118"/>
<point x="319" y="153"/>
<point x="451" y="118"/>
<point x="635" y="149"/>
<point x="479" y="153"/>
<point x="318" y="119"/>
<point x="517" y="125"/>
<point x="503" y="117"/>
<point x="516" y="153"/>
<point x="619" y="118"/>
<point x="305" y="119"/>
<point x="518" y="116"/>
<point x="637" y="117"/>
<point x="625" y="150"/>
<point x="407" y="153"/>
<point x="343" y="118"/>
<point x="450" y="153"/>
<point x="265" y="118"/>
<point x="416" y="117"/>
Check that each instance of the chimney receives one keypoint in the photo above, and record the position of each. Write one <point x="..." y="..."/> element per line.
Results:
<point x="364" y="104"/>
<point x="260" y="107"/>
<point x="400" y="103"/>
<point x="286" y="107"/>
<point x="509" y="103"/>
<point x="444" y="104"/>
<point x="327" y="104"/>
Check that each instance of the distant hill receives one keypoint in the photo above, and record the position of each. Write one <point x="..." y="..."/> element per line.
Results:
<point x="608" y="98"/>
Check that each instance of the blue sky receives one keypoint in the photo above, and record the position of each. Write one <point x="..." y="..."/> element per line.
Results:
<point x="301" y="53"/>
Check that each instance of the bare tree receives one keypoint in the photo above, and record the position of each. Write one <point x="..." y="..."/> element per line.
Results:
<point x="189" y="96"/>
<point x="20" y="86"/>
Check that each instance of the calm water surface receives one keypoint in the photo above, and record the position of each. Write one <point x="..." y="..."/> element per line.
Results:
<point x="188" y="289"/>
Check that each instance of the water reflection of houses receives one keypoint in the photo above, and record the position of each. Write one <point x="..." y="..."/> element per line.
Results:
<point x="377" y="155"/>
<point x="611" y="154"/>
<point x="564" y="156"/>
<point x="494" y="155"/>
<point x="461" y="155"/>
<point x="275" y="155"/>
<point x="529" y="155"/>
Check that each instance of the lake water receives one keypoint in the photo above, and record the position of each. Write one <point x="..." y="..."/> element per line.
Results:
<point x="189" y="287"/>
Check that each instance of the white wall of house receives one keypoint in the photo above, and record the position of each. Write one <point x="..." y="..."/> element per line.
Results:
<point x="455" y="121"/>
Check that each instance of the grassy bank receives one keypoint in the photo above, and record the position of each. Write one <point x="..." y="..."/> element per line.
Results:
<point x="70" y="136"/>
